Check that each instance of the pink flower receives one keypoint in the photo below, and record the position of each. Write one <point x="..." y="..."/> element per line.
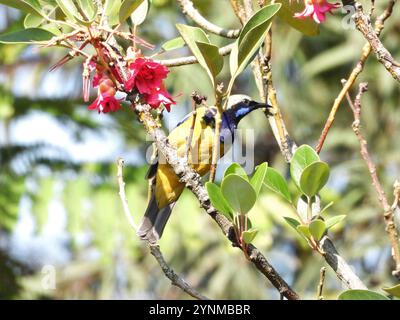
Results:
<point x="317" y="9"/>
<point x="158" y="97"/>
<point x="105" y="101"/>
<point x="147" y="75"/>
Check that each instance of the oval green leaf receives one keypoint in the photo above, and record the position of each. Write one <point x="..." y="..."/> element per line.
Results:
<point x="236" y="168"/>
<point x="292" y="222"/>
<point x="127" y="8"/>
<point x="173" y="44"/>
<point x="29" y="35"/>
<point x="317" y="229"/>
<point x="333" y="221"/>
<point x="361" y="295"/>
<point x="249" y="235"/>
<point x="214" y="61"/>
<point x="112" y="11"/>
<point x="251" y="37"/>
<point x="139" y="15"/>
<point x="218" y="200"/>
<point x="257" y="179"/>
<point x="239" y="193"/>
<point x="304" y="231"/>
<point x="303" y="157"/>
<point x="314" y="177"/>
<point x="275" y="182"/>
<point x="26" y="6"/>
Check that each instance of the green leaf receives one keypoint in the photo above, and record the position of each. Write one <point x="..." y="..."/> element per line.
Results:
<point x="139" y="15"/>
<point x="32" y="21"/>
<point x="303" y="157"/>
<point x="306" y="26"/>
<point x="258" y="178"/>
<point x="233" y="61"/>
<point x="393" y="291"/>
<point x="251" y="38"/>
<point x="218" y="200"/>
<point x="249" y="235"/>
<point x="317" y="229"/>
<point x="127" y="8"/>
<point x="330" y="204"/>
<point x="236" y="168"/>
<point x="29" y="35"/>
<point x="89" y="9"/>
<point x="333" y="221"/>
<point x="69" y="9"/>
<point x="239" y="193"/>
<point x="275" y="182"/>
<point x="212" y="58"/>
<point x="304" y="231"/>
<point x="173" y="44"/>
<point x="292" y="222"/>
<point x="208" y="55"/>
<point x="26" y="6"/>
<point x="112" y="11"/>
<point x="358" y="294"/>
<point x="314" y="178"/>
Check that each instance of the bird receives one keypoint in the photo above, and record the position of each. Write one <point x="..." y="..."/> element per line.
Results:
<point x="165" y="184"/>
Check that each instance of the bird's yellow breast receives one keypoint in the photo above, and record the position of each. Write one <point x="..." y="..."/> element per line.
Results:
<point x="168" y="186"/>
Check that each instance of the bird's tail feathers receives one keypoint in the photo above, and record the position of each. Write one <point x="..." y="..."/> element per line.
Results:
<point x="154" y="221"/>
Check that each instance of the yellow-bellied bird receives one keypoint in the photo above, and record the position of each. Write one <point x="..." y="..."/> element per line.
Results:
<point x="166" y="187"/>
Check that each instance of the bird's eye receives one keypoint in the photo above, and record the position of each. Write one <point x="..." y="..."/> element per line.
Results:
<point x="246" y="101"/>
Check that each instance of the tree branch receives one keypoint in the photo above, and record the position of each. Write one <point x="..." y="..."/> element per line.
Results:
<point x="365" y="52"/>
<point x="155" y="250"/>
<point x="383" y="55"/>
<point x="224" y="51"/>
<point x="387" y="209"/>
<point x="192" y="180"/>
<point x="189" y="10"/>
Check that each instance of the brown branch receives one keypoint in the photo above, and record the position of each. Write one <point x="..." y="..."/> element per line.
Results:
<point x="383" y="55"/>
<point x="366" y="51"/>
<point x="155" y="250"/>
<point x="192" y="180"/>
<point x="189" y="10"/>
<point x="224" y="51"/>
<point x="387" y="209"/>
<point x="342" y="269"/>
<point x="320" y="288"/>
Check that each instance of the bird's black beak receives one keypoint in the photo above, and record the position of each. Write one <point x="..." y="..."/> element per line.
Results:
<point x="258" y="105"/>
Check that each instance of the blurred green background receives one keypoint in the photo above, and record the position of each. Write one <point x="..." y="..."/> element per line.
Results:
<point x="59" y="203"/>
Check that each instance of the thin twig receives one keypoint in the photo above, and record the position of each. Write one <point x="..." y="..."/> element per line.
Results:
<point x="189" y="10"/>
<point x="320" y="288"/>
<point x="176" y="280"/>
<point x="383" y="55"/>
<point x="387" y="209"/>
<point x="366" y="51"/>
<point x="176" y="62"/>
<point x="192" y="181"/>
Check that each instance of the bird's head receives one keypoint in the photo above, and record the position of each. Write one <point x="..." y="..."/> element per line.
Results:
<point x="240" y="106"/>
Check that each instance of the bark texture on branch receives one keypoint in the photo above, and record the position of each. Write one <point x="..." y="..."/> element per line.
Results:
<point x="363" y="24"/>
<point x="189" y="10"/>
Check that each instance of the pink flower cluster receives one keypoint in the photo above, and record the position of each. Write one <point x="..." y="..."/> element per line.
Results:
<point x="317" y="9"/>
<point x="145" y="78"/>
